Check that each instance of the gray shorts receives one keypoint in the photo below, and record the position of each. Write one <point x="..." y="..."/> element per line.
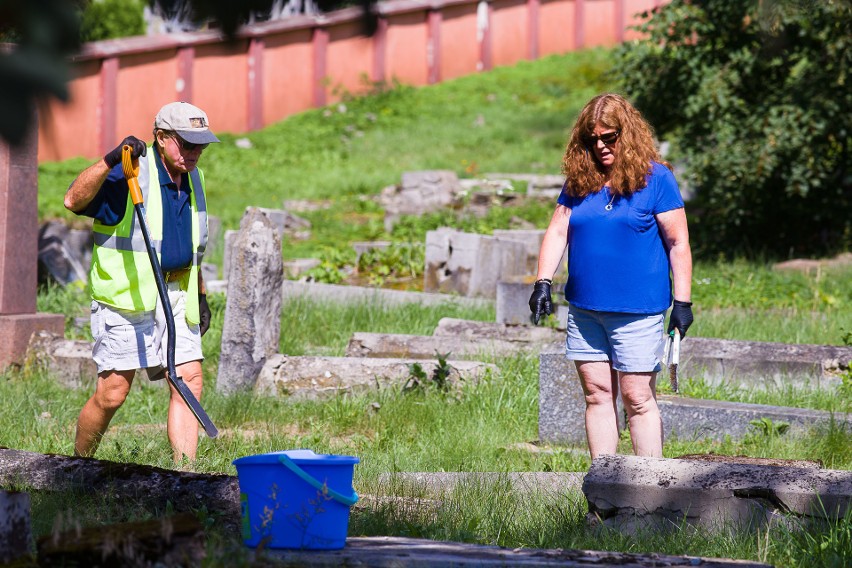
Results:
<point x="632" y="342"/>
<point x="126" y="340"/>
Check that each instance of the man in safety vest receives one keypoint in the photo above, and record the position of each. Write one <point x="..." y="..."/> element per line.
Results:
<point x="128" y="324"/>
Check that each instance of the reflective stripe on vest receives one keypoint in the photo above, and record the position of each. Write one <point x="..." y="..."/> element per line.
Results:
<point x="121" y="273"/>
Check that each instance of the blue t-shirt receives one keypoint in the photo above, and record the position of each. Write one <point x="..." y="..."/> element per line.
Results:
<point x="110" y="203"/>
<point x="617" y="261"/>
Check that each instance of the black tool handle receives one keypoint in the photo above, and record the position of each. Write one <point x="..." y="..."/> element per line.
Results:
<point x="174" y="379"/>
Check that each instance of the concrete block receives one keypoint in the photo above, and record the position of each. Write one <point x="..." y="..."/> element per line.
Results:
<point x="471" y="264"/>
<point x="318" y="377"/>
<point x="629" y="492"/>
<point x="513" y="301"/>
<point x="17" y="329"/>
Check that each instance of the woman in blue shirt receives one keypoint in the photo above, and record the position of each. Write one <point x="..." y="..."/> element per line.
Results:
<point x="621" y="216"/>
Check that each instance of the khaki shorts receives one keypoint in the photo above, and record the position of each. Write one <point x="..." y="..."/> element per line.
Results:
<point x="126" y="340"/>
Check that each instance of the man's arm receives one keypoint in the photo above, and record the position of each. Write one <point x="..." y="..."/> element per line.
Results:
<point x="87" y="185"/>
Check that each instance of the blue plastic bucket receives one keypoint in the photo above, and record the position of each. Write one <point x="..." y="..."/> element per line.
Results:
<point x="296" y="499"/>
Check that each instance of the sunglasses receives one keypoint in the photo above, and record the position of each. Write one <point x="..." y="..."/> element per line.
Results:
<point x="188" y="146"/>
<point x="607" y="138"/>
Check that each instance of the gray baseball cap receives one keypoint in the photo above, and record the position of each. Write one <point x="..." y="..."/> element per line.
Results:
<point x="189" y="121"/>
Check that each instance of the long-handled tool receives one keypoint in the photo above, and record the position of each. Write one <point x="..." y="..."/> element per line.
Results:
<point x="131" y="172"/>
<point x="672" y="357"/>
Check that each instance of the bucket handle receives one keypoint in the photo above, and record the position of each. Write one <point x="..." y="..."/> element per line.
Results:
<point x="313" y="482"/>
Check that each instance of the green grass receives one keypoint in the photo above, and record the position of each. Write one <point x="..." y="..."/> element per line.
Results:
<point x="511" y="120"/>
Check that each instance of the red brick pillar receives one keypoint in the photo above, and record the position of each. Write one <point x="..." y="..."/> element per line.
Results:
<point x="19" y="251"/>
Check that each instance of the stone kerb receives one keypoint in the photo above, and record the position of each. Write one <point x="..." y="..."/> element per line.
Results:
<point x="252" y="326"/>
<point x="562" y="406"/>
<point x="471" y="264"/>
<point x="630" y="493"/>
<point x="317" y="377"/>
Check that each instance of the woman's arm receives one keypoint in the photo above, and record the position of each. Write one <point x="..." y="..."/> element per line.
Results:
<point x="554" y="243"/>
<point x="675" y="234"/>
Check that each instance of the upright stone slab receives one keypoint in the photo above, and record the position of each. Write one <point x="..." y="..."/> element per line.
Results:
<point x="288" y="225"/>
<point x="229" y="238"/>
<point x="15" y="527"/>
<point x="470" y="264"/>
<point x="561" y="404"/>
<point x="19" y="251"/>
<point x="252" y="325"/>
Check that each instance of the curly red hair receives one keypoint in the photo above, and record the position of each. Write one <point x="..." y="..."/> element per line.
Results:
<point x="636" y="148"/>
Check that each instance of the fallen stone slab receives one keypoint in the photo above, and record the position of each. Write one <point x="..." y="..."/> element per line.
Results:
<point x="440" y="483"/>
<point x="762" y="363"/>
<point x="383" y="297"/>
<point x="469" y="329"/>
<point x="363" y="344"/>
<point x="176" y="540"/>
<point x="393" y="552"/>
<point x="186" y="491"/>
<point x="697" y="419"/>
<point x="562" y="408"/>
<point x="629" y="493"/>
<point x="318" y="377"/>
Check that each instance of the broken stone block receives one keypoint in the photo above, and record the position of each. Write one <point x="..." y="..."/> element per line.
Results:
<point x="418" y="193"/>
<point x="631" y="493"/>
<point x="317" y="377"/>
<point x="68" y="361"/>
<point x="470" y="264"/>
<point x="252" y="326"/>
<point x="59" y="255"/>
<point x="288" y="225"/>
<point x="15" y="527"/>
<point x="298" y="266"/>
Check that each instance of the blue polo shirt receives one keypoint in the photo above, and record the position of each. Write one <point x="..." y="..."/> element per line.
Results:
<point x="617" y="260"/>
<point x="110" y="203"/>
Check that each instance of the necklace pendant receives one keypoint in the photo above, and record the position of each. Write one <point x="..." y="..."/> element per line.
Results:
<point x="608" y="207"/>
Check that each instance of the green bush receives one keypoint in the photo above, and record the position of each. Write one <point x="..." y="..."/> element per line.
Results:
<point x="755" y="99"/>
<point x="107" y="19"/>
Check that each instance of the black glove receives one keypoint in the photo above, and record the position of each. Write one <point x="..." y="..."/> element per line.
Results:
<point x="137" y="148"/>
<point x="681" y="317"/>
<point x="204" y="312"/>
<point x="540" y="302"/>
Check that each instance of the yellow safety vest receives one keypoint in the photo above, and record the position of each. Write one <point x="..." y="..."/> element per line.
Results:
<point x="121" y="273"/>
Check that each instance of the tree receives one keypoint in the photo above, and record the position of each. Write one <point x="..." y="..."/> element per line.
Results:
<point x="755" y="97"/>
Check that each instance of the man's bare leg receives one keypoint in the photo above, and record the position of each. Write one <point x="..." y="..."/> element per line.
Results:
<point x="182" y="424"/>
<point x="110" y="393"/>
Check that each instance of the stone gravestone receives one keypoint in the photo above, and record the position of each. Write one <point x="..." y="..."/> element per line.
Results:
<point x="252" y="325"/>
<point x="19" y="251"/>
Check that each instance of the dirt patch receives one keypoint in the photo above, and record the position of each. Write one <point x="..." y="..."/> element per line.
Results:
<point x="745" y="460"/>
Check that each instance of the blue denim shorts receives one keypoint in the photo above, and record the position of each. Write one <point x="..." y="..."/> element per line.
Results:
<point x="632" y="342"/>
